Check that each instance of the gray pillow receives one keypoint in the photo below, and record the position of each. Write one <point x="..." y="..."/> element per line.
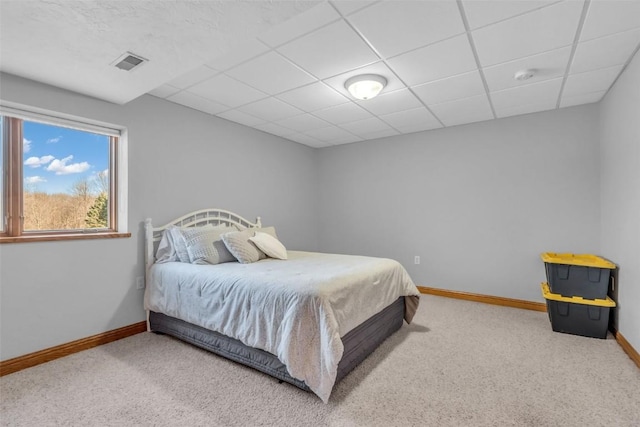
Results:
<point x="179" y="236"/>
<point x="269" y="230"/>
<point x="239" y="245"/>
<point x="242" y="248"/>
<point x="208" y="247"/>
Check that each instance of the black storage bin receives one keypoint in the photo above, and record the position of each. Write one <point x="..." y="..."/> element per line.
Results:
<point x="572" y="275"/>
<point x="578" y="316"/>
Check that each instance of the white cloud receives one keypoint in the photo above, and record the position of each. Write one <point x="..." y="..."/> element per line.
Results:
<point x="34" y="179"/>
<point x="36" y="162"/>
<point x="53" y="140"/>
<point x="26" y="145"/>
<point x="60" y="167"/>
<point x="100" y="173"/>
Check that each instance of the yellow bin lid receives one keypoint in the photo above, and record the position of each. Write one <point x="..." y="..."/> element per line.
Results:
<point x="546" y="293"/>
<point x="585" y="260"/>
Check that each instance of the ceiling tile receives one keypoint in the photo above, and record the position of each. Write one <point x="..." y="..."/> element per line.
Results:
<point x="484" y="12"/>
<point x="411" y="119"/>
<point x="395" y="27"/>
<point x="379" y="68"/>
<point x="331" y="134"/>
<point x="547" y="66"/>
<point x="343" y="113"/>
<point x="313" y="97"/>
<point x="346" y="140"/>
<point x="270" y="81"/>
<point x="194" y="101"/>
<point x="591" y="81"/>
<point x="419" y="127"/>
<point x="270" y="73"/>
<point x="270" y="109"/>
<point x="463" y="111"/>
<point x="382" y="133"/>
<point x="346" y="7"/>
<point x="449" y="89"/>
<point x="242" y="52"/>
<point x="194" y="76"/>
<point x="391" y="102"/>
<point x="302" y="123"/>
<point x="437" y="61"/>
<point x="329" y="51"/>
<point x="545" y="29"/>
<point x="519" y="109"/>
<point x="610" y="17"/>
<point x="587" y="98"/>
<point x="303" y="23"/>
<point x="275" y="129"/>
<point x="605" y="51"/>
<point x="164" y="91"/>
<point x="227" y="91"/>
<point x="307" y="140"/>
<point x="242" y="118"/>
<point x="366" y="126"/>
<point x="545" y="93"/>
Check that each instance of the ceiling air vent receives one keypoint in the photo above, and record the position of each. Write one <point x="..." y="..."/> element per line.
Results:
<point x="129" y="61"/>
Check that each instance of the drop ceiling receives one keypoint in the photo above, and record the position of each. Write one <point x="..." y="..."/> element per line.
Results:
<point x="280" y="67"/>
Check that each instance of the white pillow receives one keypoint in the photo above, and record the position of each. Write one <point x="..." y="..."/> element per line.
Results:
<point x="208" y="247"/>
<point x="269" y="245"/>
<point x="269" y="230"/>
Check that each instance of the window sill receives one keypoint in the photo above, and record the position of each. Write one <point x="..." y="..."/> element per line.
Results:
<point x="62" y="236"/>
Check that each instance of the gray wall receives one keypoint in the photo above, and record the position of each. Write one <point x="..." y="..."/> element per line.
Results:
<point x="179" y="160"/>
<point x="620" y="193"/>
<point x="478" y="203"/>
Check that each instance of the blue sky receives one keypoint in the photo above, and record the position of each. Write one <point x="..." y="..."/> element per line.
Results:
<point x="55" y="157"/>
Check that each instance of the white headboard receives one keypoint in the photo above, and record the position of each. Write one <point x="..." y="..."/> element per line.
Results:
<point x="193" y="219"/>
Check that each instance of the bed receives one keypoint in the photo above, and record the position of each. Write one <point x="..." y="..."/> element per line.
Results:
<point x="307" y="320"/>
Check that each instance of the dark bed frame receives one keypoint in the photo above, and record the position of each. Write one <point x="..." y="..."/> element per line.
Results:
<point x="358" y="343"/>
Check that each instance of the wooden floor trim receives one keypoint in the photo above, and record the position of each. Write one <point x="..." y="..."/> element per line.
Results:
<point x="22" y="362"/>
<point x="32" y="359"/>
<point x="487" y="299"/>
<point x="628" y="348"/>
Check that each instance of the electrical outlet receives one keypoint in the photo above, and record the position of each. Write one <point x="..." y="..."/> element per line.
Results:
<point x="416" y="259"/>
<point x="140" y="282"/>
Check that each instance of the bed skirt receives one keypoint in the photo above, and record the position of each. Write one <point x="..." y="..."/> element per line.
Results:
<point x="358" y="343"/>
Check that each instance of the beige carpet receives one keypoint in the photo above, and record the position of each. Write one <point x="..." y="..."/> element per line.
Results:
<point x="459" y="364"/>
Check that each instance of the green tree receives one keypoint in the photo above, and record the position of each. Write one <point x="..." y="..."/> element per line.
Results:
<point x="97" y="214"/>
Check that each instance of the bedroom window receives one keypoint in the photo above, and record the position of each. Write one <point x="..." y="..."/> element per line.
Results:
<point x="61" y="178"/>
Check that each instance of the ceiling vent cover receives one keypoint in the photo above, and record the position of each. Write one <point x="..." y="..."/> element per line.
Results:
<point x="129" y="61"/>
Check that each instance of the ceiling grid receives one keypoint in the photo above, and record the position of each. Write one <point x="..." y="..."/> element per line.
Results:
<point x="281" y="67"/>
<point x="573" y="50"/>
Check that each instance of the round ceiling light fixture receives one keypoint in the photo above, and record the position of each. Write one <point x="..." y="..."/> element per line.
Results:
<point x="365" y="86"/>
<point x="523" y="75"/>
